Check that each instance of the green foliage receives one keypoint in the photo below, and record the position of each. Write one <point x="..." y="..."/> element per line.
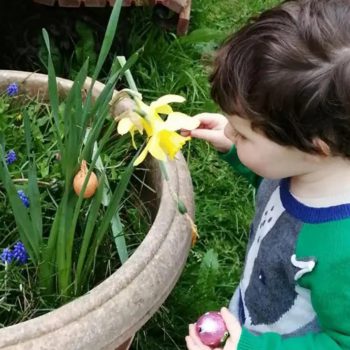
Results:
<point x="71" y="135"/>
<point x="61" y="231"/>
<point x="14" y="286"/>
<point x="84" y="48"/>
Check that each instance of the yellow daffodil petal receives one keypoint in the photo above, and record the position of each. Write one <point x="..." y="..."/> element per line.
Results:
<point x="164" y="109"/>
<point x="137" y="121"/>
<point x="133" y="139"/>
<point x="166" y="99"/>
<point x="177" y="121"/>
<point x="155" y="148"/>
<point x="148" y="127"/>
<point x="142" y="155"/>
<point x="171" y="142"/>
<point x="161" y="105"/>
<point x="124" y="126"/>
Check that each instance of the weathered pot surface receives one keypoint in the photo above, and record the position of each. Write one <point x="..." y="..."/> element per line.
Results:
<point x="110" y="314"/>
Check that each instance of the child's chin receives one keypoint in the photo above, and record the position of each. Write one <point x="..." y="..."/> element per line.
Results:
<point x="268" y="175"/>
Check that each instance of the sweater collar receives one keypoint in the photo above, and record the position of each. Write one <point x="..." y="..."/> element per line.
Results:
<point x="308" y="214"/>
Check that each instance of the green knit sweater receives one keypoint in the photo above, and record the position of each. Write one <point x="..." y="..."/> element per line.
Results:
<point x="295" y="288"/>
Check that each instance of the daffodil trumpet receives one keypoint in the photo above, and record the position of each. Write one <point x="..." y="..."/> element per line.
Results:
<point x="162" y="139"/>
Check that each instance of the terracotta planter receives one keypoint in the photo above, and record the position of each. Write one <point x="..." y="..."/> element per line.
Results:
<point x="181" y="7"/>
<point x="109" y="315"/>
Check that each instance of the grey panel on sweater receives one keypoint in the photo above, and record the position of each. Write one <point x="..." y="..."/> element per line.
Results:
<point x="271" y="292"/>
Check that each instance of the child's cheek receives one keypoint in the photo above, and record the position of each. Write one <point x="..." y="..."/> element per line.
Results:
<point x="247" y="155"/>
<point x="253" y="160"/>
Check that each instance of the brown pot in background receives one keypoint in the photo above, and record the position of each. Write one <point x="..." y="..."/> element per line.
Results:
<point x="111" y="313"/>
<point x="181" y="7"/>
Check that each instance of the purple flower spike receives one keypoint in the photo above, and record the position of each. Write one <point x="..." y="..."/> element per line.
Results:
<point x="19" y="253"/>
<point x="12" y="89"/>
<point x="6" y="256"/>
<point x="11" y="157"/>
<point x="23" y="198"/>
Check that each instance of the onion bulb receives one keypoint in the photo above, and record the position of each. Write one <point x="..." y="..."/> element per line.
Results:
<point x="211" y="329"/>
<point x="79" y="179"/>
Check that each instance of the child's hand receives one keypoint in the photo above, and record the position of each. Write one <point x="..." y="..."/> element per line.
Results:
<point x="211" y="129"/>
<point x="234" y="328"/>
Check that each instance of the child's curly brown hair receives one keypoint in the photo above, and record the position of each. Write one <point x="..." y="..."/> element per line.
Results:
<point x="288" y="71"/>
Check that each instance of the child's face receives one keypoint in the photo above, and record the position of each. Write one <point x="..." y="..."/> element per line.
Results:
<point x="265" y="157"/>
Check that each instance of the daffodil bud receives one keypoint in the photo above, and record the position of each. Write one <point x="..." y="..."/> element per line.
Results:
<point x="181" y="206"/>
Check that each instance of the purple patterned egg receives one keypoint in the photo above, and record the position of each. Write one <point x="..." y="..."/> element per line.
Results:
<point x="211" y="329"/>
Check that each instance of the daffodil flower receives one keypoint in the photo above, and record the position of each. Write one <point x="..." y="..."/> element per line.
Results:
<point x="130" y="122"/>
<point x="163" y="141"/>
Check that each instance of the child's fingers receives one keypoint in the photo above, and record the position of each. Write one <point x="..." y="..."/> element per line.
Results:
<point x="205" y="134"/>
<point x="208" y="117"/>
<point x="201" y="126"/>
<point x="193" y="332"/>
<point x="191" y="345"/>
<point x="185" y="133"/>
<point x="210" y="120"/>
<point x="231" y="322"/>
<point x="195" y="338"/>
<point x="233" y="326"/>
<point x="216" y="138"/>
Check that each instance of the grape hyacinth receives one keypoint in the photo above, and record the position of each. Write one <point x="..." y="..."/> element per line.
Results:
<point x="23" y="198"/>
<point x="11" y="157"/>
<point x="12" y="89"/>
<point x="6" y="256"/>
<point x="19" y="253"/>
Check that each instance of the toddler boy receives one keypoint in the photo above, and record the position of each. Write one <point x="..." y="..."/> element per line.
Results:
<point x="283" y="82"/>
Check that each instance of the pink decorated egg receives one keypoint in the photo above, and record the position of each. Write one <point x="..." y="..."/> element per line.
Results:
<point x="211" y="329"/>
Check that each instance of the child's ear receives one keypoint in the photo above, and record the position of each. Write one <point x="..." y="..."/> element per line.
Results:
<point x="322" y="147"/>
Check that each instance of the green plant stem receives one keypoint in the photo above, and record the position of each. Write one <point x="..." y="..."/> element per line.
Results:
<point x="116" y="225"/>
<point x="105" y="221"/>
<point x="39" y="182"/>
<point x="73" y="224"/>
<point x="128" y="75"/>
